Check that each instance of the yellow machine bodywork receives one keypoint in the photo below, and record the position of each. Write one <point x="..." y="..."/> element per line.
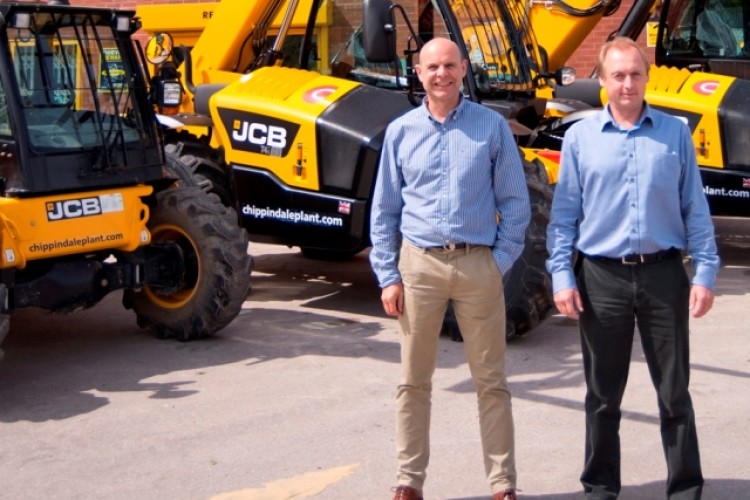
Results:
<point x="288" y="94"/>
<point x="53" y="226"/>
<point x="703" y="93"/>
<point x="549" y="159"/>
<point x="183" y="21"/>
<point x="212" y="56"/>
<point x="560" y="33"/>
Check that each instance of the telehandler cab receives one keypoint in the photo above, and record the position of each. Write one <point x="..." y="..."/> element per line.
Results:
<point x="89" y="203"/>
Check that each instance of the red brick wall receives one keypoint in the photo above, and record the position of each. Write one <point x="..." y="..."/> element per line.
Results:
<point x="116" y="4"/>
<point x="347" y="15"/>
<point x="127" y="4"/>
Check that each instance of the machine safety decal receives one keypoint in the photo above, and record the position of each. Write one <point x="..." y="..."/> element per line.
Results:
<point x="84" y="207"/>
<point x="706" y="87"/>
<point x="319" y="95"/>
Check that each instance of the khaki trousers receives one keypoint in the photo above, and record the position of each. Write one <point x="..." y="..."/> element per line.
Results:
<point x="472" y="281"/>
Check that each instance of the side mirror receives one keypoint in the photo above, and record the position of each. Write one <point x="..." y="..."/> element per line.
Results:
<point x="378" y="31"/>
<point x="159" y="48"/>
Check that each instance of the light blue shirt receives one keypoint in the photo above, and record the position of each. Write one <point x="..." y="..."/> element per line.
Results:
<point x="631" y="191"/>
<point x="441" y="183"/>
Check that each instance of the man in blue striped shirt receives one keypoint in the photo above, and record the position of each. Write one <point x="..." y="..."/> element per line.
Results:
<point x="449" y="215"/>
<point x="629" y="199"/>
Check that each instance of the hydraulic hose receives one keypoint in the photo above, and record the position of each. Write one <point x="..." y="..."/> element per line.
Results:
<point x="609" y="7"/>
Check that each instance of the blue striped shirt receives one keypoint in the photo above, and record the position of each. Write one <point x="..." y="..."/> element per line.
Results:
<point x="629" y="191"/>
<point x="441" y="183"/>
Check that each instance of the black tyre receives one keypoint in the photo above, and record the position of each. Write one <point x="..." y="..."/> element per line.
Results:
<point x="194" y="166"/>
<point x="218" y="266"/>
<point x="528" y="287"/>
<point x="4" y="318"/>
<point x="175" y="168"/>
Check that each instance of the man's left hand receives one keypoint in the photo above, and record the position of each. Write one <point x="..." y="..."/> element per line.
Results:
<point x="701" y="300"/>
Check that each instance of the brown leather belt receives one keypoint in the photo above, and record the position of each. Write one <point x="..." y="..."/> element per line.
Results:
<point x="635" y="259"/>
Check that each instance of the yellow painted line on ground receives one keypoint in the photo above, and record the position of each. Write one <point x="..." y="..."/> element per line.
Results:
<point x="296" y="488"/>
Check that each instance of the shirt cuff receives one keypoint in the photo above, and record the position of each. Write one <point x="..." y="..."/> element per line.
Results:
<point x="388" y="278"/>
<point x="562" y="280"/>
<point x="502" y="264"/>
<point x="705" y="277"/>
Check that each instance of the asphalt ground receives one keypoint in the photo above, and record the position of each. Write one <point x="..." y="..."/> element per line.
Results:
<point x="295" y="399"/>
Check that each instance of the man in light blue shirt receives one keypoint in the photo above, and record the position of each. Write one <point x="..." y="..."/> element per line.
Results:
<point x="449" y="215"/>
<point x="628" y="202"/>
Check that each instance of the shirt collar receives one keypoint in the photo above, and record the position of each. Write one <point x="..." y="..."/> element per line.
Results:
<point x="455" y="112"/>
<point x="606" y="120"/>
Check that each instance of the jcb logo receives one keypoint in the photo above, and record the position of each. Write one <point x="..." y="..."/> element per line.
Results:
<point x="72" y="209"/>
<point x="260" y="134"/>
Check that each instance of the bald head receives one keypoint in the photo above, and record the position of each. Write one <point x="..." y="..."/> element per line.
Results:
<point x="439" y="46"/>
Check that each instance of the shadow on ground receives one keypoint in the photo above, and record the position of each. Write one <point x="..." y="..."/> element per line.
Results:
<point x="714" y="489"/>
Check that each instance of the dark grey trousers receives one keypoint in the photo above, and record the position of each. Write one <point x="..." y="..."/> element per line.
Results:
<point x="616" y="298"/>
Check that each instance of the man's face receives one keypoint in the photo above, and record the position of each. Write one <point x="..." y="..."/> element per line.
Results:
<point x="441" y="71"/>
<point x="624" y="76"/>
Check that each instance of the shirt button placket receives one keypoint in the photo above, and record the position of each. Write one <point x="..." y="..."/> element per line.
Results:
<point x="632" y="170"/>
<point x="444" y="182"/>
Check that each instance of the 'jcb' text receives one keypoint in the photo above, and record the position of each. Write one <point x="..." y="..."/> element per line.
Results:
<point x="72" y="209"/>
<point x="259" y="134"/>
